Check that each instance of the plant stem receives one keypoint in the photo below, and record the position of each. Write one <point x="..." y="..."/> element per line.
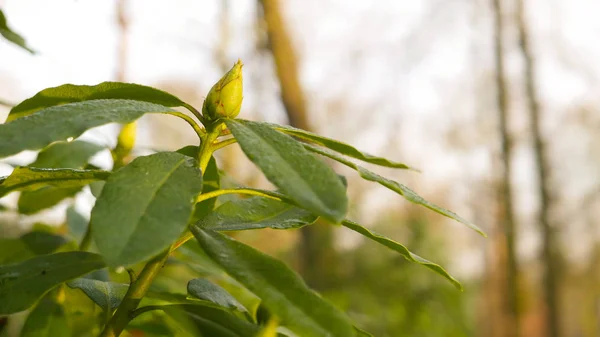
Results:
<point x="249" y="191"/>
<point x="190" y="121"/>
<point x="137" y="290"/>
<point x="206" y="148"/>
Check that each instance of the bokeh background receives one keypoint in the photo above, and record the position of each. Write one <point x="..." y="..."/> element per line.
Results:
<point x="496" y="101"/>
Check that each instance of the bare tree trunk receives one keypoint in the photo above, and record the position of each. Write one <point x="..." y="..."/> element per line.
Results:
<point x="506" y="225"/>
<point x="549" y="249"/>
<point x="316" y="252"/>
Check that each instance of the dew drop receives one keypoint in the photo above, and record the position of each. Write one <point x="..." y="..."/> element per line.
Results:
<point x="70" y="139"/>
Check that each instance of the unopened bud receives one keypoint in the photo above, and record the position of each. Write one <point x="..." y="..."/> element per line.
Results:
<point x="225" y="97"/>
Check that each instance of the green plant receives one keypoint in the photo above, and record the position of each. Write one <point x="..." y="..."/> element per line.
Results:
<point x="149" y="208"/>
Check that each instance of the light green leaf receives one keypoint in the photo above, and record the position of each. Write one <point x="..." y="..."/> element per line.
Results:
<point x="282" y="291"/>
<point x="211" y="321"/>
<point x="22" y="284"/>
<point x="297" y="173"/>
<point x="69" y="120"/>
<point x="70" y="93"/>
<point x="47" y="319"/>
<point x="10" y="35"/>
<point x="29" y="178"/>
<point x="107" y="295"/>
<point x="337" y="146"/>
<point x="205" y="290"/>
<point x="401" y="249"/>
<point x="58" y="155"/>
<point x="144" y="207"/>
<point x="404" y="191"/>
<point x="256" y="213"/>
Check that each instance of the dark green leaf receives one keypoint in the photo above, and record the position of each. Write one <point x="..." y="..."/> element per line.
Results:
<point x="31" y="202"/>
<point x="211" y="182"/>
<point x="400" y="249"/>
<point x="76" y="223"/>
<point x="404" y="191"/>
<point x="337" y="146"/>
<point x="298" y="173"/>
<point x="29" y="178"/>
<point x="144" y="207"/>
<point x="70" y="120"/>
<point x="47" y="319"/>
<point x="23" y="283"/>
<point x="14" y="250"/>
<point x="282" y="291"/>
<point x="58" y="155"/>
<point x="73" y="154"/>
<point x="11" y="36"/>
<point x="40" y="242"/>
<point x="96" y="188"/>
<point x="256" y="213"/>
<point x="70" y="93"/>
<point x="205" y="290"/>
<point x="210" y="321"/>
<point x="107" y="295"/>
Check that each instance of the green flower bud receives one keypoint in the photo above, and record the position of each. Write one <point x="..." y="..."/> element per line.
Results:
<point x="225" y="97"/>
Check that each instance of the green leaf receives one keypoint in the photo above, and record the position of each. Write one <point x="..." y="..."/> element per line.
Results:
<point x="58" y="155"/>
<point x="299" y="174"/>
<point x="21" y="284"/>
<point x="40" y="242"/>
<point x="256" y="213"/>
<point x="211" y="182"/>
<point x="96" y="188"/>
<point x="73" y="154"/>
<point x="11" y="36"/>
<point x="362" y="333"/>
<point x="205" y="290"/>
<point x="29" y="178"/>
<point x="70" y="120"/>
<point x="31" y="202"/>
<point x="144" y="207"/>
<point x="14" y="250"/>
<point x="107" y="295"/>
<point x="337" y="146"/>
<point x="70" y="93"/>
<point x="404" y="191"/>
<point x="210" y="321"/>
<point x="282" y="291"/>
<point x="393" y="245"/>
<point x="76" y="223"/>
<point x="47" y="319"/>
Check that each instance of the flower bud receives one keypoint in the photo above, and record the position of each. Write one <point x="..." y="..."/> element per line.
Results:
<point x="225" y="97"/>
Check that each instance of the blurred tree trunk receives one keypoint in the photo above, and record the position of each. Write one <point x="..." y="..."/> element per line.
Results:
<point x="316" y="250"/>
<point x="123" y="26"/>
<point x="507" y="321"/>
<point x="549" y="249"/>
<point x="127" y="135"/>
